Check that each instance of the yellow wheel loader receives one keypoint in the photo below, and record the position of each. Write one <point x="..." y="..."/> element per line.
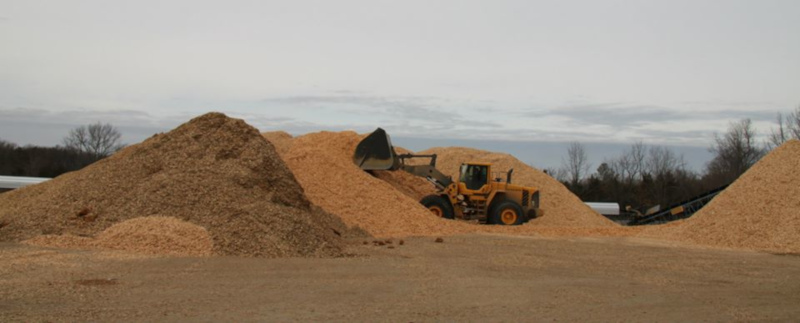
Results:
<point x="475" y="195"/>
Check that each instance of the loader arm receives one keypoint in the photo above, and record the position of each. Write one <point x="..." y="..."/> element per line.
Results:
<point x="429" y="172"/>
<point x="375" y="152"/>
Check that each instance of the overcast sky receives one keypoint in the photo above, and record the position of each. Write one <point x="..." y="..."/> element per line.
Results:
<point x="605" y="72"/>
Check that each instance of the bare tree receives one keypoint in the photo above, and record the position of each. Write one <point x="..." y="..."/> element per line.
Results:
<point x="7" y="157"/>
<point x="663" y="169"/>
<point x="5" y="145"/>
<point x="662" y="160"/>
<point x="641" y="176"/>
<point x="631" y="164"/>
<point x="735" y="151"/>
<point x="606" y="173"/>
<point x="98" y="139"/>
<point x="576" y="165"/>
<point x="778" y="136"/>
<point x="788" y="128"/>
<point x="793" y="123"/>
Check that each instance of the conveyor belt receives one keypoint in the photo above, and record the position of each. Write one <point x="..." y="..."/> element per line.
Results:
<point x="680" y="210"/>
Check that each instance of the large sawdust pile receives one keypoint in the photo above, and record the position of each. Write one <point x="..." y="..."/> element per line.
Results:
<point x="155" y="235"/>
<point x="322" y="163"/>
<point x="214" y="171"/>
<point x="561" y="207"/>
<point x="759" y="211"/>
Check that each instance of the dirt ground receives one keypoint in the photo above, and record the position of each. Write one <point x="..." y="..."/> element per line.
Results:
<point x="466" y="278"/>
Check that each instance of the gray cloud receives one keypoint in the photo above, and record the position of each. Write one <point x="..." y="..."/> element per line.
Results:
<point x="392" y="110"/>
<point x="741" y="104"/>
<point x="260" y="119"/>
<point x="675" y="137"/>
<point x="615" y="114"/>
<point x="130" y="117"/>
<point x="290" y="125"/>
<point x="415" y="108"/>
<point x="755" y="115"/>
<point x="626" y="115"/>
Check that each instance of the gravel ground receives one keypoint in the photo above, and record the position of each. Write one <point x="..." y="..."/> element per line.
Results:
<point x="477" y="277"/>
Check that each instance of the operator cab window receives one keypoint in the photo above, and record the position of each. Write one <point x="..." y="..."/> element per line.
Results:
<point x="474" y="176"/>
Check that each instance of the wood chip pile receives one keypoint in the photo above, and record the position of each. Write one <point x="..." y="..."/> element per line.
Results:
<point x="561" y="207"/>
<point x="214" y="171"/>
<point x="322" y="163"/>
<point x="156" y="235"/>
<point x="759" y="211"/>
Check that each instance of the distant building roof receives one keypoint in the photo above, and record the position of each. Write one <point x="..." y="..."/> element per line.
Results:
<point x="604" y="208"/>
<point x="12" y="182"/>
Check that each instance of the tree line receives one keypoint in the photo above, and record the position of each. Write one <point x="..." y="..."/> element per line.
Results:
<point x="644" y="176"/>
<point x="80" y="147"/>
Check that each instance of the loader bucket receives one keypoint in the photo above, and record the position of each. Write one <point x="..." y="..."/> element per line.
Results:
<point x="375" y="152"/>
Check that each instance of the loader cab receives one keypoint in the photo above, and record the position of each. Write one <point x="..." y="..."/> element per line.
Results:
<point x="474" y="176"/>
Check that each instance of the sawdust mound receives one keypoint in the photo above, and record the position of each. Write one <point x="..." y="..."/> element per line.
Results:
<point x="157" y="235"/>
<point x="213" y="171"/>
<point x="759" y="211"/>
<point x="153" y="235"/>
<point x="562" y="208"/>
<point x="322" y="163"/>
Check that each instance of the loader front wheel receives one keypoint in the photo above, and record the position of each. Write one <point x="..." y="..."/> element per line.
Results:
<point x="507" y="213"/>
<point x="438" y="206"/>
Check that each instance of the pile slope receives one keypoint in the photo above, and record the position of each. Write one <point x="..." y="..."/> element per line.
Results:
<point x="759" y="211"/>
<point x="561" y="207"/>
<point x="413" y="186"/>
<point x="213" y="171"/>
<point x="322" y="163"/>
<point x="155" y="235"/>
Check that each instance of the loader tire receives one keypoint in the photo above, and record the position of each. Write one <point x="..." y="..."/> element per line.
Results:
<point x="438" y="206"/>
<point x="507" y="213"/>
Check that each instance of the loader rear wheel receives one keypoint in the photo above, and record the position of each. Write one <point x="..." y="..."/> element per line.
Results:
<point x="507" y="213"/>
<point x="438" y="206"/>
